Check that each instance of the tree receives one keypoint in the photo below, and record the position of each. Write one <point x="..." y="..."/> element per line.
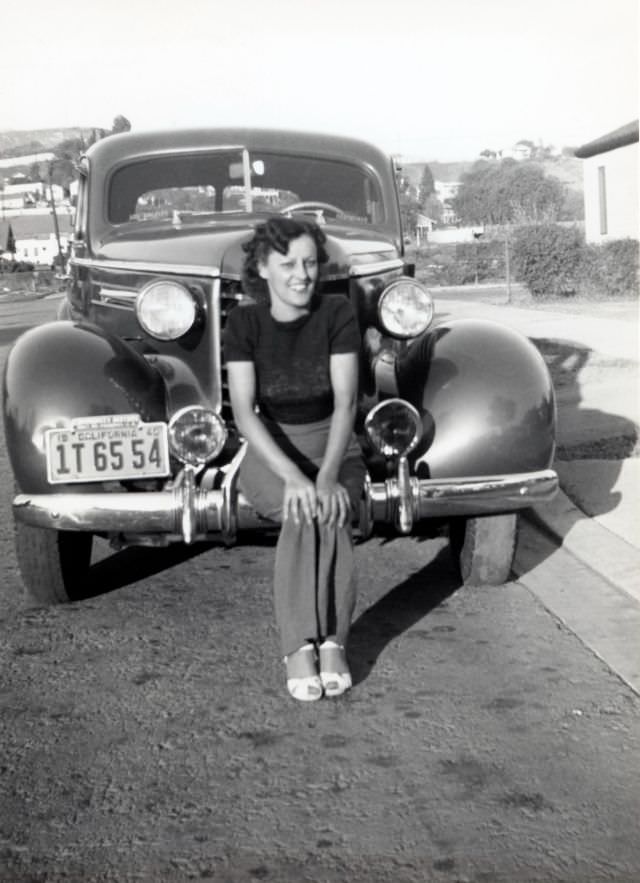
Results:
<point x="427" y="185"/>
<point x="573" y="206"/>
<point x="11" y="242"/>
<point x="409" y="209"/>
<point x="432" y="207"/>
<point x="120" y="124"/>
<point x="508" y="192"/>
<point x="35" y="171"/>
<point x="67" y="153"/>
<point x="417" y="199"/>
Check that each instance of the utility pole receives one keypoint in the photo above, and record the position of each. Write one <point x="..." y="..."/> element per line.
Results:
<point x="55" y="219"/>
<point x="507" y="261"/>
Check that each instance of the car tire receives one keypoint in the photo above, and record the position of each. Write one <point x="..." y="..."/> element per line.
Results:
<point x="483" y="547"/>
<point x="54" y="563"/>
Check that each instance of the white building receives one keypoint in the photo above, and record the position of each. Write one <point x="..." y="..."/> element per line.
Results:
<point x="446" y="189"/>
<point x="520" y="151"/>
<point x="424" y="228"/>
<point x="35" y="237"/>
<point x="23" y="193"/>
<point x="611" y="185"/>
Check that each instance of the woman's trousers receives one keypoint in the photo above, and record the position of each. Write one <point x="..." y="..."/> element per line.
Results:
<point x="314" y="581"/>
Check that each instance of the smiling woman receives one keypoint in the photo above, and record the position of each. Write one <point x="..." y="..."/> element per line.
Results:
<point x="294" y="356"/>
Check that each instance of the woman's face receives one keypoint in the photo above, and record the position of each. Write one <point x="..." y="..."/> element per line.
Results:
<point x="291" y="278"/>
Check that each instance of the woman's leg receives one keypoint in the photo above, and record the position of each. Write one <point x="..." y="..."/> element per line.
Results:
<point x="295" y="564"/>
<point x="294" y="584"/>
<point x="336" y="586"/>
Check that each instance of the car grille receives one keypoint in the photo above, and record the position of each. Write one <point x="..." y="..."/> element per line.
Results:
<point x="230" y="296"/>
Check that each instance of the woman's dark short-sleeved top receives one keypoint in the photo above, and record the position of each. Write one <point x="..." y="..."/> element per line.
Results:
<point x="291" y="359"/>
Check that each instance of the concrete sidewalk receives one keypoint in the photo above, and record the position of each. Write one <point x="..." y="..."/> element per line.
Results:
<point x="611" y="329"/>
<point x="596" y="514"/>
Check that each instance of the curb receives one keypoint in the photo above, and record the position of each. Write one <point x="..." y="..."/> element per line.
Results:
<point x="598" y="548"/>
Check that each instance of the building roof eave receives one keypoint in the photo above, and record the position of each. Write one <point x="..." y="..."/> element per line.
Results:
<point x="621" y="137"/>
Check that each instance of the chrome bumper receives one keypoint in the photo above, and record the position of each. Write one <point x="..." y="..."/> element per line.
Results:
<point x="187" y="513"/>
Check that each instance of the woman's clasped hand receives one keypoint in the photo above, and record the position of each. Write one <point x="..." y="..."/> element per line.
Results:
<point x="326" y="500"/>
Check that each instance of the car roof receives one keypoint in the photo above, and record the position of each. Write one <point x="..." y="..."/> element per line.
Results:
<point x="105" y="156"/>
<point x="113" y="149"/>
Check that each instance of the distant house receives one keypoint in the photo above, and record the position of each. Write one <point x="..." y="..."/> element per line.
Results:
<point x="446" y="189"/>
<point x="611" y="185"/>
<point x="35" y="237"/>
<point x="424" y="226"/>
<point x="20" y="192"/>
<point x="520" y="151"/>
<point x="449" y="216"/>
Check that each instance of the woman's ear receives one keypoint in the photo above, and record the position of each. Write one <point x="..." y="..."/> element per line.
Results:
<point x="262" y="270"/>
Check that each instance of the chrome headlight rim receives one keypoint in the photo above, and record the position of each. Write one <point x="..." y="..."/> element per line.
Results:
<point x="189" y="456"/>
<point x="389" y="321"/>
<point x="168" y="332"/>
<point x="391" y="449"/>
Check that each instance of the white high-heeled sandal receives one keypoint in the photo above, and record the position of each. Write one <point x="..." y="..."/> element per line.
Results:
<point x="335" y="676"/>
<point x="305" y="683"/>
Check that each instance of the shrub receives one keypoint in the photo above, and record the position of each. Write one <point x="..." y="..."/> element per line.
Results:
<point x="611" y="269"/>
<point x="548" y="258"/>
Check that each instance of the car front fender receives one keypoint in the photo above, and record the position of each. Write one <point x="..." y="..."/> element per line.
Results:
<point x="63" y="370"/>
<point x="486" y="400"/>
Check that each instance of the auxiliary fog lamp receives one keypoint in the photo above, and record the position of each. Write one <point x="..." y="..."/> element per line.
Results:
<point x="393" y="427"/>
<point x="196" y="435"/>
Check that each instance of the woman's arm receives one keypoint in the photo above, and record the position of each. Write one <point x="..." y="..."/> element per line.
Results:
<point x="333" y="499"/>
<point x="299" y="491"/>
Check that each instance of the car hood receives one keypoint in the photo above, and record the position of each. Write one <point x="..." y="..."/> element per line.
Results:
<point x="220" y="246"/>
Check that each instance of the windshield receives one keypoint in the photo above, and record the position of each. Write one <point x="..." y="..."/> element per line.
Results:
<point x="227" y="181"/>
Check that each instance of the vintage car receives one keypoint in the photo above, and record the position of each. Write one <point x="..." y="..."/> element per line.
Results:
<point x="117" y="416"/>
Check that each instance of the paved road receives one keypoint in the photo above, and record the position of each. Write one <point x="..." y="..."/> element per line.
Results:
<point x="146" y="733"/>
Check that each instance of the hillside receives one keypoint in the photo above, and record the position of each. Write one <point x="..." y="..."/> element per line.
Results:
<point x="441" y="171"/>
<point x="19" y="142"/>
<point x="567" y="169"/>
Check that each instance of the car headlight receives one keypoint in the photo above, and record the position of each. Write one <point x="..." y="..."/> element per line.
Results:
<point x="405" y="308"/>
<point x="166" y="309"/>
<point x="394" y="427"/>
<point x="196" y="435"/>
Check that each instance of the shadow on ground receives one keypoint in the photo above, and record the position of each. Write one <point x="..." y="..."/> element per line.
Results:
<point x="396" y="612"/>
<point x="118" y="569"/>
<point x="587" y="433"/>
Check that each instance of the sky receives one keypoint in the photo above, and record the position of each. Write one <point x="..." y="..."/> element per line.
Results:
<point x="424" y="79"/>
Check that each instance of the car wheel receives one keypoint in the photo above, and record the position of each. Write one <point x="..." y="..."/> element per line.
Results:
<point x="483" y="547"/>
<point x="54" y="563"/>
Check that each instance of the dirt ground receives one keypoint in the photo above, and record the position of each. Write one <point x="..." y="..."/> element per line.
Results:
<point x="146" y="734"/>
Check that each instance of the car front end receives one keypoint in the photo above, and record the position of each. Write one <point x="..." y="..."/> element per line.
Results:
<point x="117" y="416"/>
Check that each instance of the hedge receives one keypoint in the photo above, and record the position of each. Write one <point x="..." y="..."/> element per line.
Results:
<point x="555" y="261"/>
<point x="610" y="269"/>
<point x="547" y="258"/>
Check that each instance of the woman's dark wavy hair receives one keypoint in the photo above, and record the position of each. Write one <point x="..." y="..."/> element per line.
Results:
<point x="276" y="234"/>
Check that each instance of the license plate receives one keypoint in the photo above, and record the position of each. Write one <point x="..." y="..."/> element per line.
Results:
<point x="107" y="448"/>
